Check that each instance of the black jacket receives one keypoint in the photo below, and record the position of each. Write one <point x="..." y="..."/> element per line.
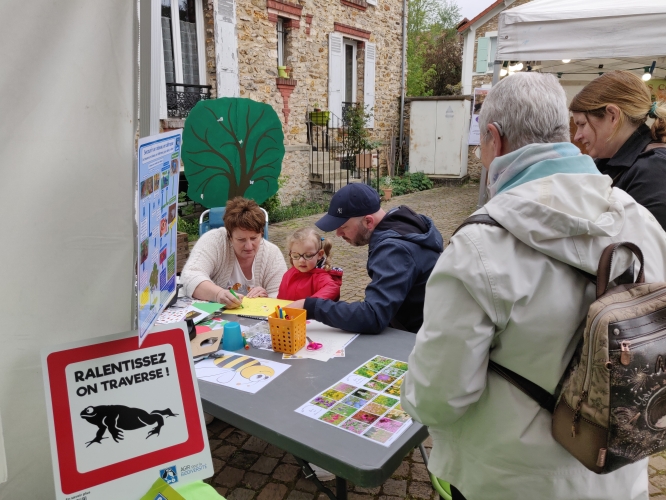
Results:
<point x="640" y="173"/>
<point x="404" y="247"/>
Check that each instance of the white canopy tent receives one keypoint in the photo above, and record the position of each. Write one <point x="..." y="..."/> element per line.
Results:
<point x="553" y="30"/>
<point x="69" y="106"/>
<point x="575" y="29"/>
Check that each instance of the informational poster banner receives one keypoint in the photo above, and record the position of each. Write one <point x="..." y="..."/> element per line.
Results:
<point x="159" y="168"/>
<point x="474" y="134"/>
<point x="120" y="416"/>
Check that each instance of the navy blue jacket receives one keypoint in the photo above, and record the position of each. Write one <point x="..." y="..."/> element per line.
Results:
<point x="403" y="249"/>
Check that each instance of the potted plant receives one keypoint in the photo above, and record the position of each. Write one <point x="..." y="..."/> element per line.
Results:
<point x="386" y="187"/>
<point x="319" y="117"/>
<point x="288" y="70"/>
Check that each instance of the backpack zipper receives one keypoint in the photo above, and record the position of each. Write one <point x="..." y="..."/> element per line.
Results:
<point x="626" y="345"/>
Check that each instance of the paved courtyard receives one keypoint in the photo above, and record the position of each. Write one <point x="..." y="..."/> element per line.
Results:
<point x="247" y="468"/>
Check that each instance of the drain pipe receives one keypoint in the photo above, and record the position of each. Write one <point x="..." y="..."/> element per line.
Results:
<point x="404" y="71"/>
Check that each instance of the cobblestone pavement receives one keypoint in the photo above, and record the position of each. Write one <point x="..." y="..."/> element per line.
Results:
<point x="247" y="468"/>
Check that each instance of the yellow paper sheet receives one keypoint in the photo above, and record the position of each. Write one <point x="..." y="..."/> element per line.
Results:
<point x="259" y="306"/>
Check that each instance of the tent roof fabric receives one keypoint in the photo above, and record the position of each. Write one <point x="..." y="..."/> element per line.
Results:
<point x="572" y="29"/>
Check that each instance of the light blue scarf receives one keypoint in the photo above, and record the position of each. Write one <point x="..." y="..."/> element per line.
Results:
<point x="535" y="161"/>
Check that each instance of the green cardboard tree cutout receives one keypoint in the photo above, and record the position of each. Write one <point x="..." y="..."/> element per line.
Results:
<point x="232" y="147"/>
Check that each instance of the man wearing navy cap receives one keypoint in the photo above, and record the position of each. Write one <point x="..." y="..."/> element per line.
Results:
<point x="403" y="248"/>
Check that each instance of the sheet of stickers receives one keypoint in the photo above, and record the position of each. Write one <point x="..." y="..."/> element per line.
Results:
<point x="366" y="402"/>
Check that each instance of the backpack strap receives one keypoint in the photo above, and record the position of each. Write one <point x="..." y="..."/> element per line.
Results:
<point x="544" y="398"/>
<point x="478" y="219"/>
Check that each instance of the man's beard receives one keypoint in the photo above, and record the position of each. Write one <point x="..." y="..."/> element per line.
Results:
<point x="362" y="237"/>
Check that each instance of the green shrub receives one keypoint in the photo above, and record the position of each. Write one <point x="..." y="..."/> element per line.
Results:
<point x="410" y="183"/>
<point x="189" y="226"/>
<point x="297" y="209"/>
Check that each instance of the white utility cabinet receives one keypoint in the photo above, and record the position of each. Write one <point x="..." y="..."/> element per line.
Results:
<point x="438" y="128"/>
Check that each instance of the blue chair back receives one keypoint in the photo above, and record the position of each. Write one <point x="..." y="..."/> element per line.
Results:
<point x="216" y="220"/>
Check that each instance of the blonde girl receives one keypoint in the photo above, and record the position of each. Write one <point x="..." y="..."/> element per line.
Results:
<point x="311" y="273"/>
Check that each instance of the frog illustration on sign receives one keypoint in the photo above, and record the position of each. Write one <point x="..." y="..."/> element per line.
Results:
<point x="117" y="418"/>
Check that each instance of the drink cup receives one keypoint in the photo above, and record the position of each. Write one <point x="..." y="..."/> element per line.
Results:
<point x="232" y="340"/>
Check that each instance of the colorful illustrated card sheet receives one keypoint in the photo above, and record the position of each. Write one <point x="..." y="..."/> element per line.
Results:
<point x="366" y="402"/>
<point x="239" y="371"/>
<point x="157" y="214"/>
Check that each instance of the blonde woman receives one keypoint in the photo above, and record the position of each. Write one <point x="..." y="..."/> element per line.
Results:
<point x="610" y="115"/>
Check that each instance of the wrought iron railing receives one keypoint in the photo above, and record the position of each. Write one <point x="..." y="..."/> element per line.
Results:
<point x="182" y="97"/>
<point x="339" y="155"/>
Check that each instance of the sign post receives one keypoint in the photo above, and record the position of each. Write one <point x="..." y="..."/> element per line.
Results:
<point x="121" y="416"/>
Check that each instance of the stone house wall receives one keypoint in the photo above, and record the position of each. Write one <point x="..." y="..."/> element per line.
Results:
<point x="307" y="54"/>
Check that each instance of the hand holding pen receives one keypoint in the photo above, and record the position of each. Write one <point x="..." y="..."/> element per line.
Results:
<point x="229" y="298"/>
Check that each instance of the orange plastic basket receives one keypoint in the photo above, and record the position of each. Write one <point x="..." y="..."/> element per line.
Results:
<point x="288" y="335"/>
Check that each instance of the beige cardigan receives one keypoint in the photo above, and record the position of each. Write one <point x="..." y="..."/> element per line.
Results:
<point x="213" y="259"/>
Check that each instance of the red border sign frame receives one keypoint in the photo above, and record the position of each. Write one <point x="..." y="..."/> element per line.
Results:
<point x="71" y="480"/>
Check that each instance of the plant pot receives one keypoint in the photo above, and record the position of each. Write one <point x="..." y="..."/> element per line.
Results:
<point x="282" y="72"/>
<point x="387" y="193"/>
<point x="320" y="117"/>
<point x="288" y="70"/>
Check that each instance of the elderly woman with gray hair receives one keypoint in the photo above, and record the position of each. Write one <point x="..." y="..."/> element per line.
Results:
<point x="511" y="294"/>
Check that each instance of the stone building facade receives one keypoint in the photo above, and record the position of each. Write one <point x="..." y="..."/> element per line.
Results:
<point x="306" y="28"/>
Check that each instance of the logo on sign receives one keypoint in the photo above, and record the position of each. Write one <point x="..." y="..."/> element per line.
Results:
<point x="169" y="474"/>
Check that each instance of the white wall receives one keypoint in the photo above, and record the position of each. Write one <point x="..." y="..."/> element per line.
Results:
<point x="67" y="99"/>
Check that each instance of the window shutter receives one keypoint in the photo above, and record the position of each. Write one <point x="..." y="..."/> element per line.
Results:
<point x="482" y="55"/>
<point x="335" y="60"/>
<point x="369" y="82"/>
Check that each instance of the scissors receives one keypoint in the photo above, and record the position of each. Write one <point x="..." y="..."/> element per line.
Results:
<point x="313" y="346"/>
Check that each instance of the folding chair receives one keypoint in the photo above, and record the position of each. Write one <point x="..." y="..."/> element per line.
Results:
<point x="216" y="220"/>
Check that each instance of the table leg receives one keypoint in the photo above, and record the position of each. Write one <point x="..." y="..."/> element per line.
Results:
<point x="341" y="487"/>
<point x="340" y="483"/>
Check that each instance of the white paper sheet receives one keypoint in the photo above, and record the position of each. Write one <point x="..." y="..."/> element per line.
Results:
<point x="333" y="342"/>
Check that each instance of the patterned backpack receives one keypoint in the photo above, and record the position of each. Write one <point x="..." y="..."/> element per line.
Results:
<point x="611" y="408"/>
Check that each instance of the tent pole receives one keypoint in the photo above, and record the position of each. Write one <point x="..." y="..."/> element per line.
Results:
<point x="483" y="182"/>
<point x="150" y="45"/>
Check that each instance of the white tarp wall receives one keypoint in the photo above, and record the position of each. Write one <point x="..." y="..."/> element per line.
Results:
<point x="548" y="30"/>
<point x="67" y="99"/>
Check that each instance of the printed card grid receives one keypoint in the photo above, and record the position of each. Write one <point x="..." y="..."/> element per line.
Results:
<point x="366" y="402"/>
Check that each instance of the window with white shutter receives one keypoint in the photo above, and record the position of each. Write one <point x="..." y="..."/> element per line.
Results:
<point x="335" y="73"/>
<point x="369" y="82"/>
